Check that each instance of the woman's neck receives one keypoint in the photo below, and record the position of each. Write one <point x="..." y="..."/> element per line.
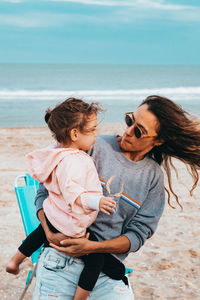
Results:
<point x="134" y="156"/>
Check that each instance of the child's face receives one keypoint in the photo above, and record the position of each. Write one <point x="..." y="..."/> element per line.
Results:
<point x="87" y="138"/>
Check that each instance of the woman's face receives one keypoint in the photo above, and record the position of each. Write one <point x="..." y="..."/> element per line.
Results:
<point x="148" y="124"/>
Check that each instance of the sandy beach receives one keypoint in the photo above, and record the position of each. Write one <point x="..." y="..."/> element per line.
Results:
<point x="166" y="267"/>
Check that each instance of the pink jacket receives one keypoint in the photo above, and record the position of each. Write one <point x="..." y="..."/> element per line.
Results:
<point x="74" y="189"/>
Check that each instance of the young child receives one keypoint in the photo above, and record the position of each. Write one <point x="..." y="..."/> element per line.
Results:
<point x="75" y="193"/>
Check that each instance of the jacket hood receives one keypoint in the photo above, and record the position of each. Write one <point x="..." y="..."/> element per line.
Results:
<point x="41" y="163"/>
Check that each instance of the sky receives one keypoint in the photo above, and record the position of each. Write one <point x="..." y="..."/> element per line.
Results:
<point x="100" y="32"/>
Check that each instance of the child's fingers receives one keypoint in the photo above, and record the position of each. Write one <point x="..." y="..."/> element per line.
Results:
<point x="112" y="204"/>
<point x="105" y="211"/>
<point x="111" y="200"/>
<point x="108" y="208"/>
<point x="108" y="199"/>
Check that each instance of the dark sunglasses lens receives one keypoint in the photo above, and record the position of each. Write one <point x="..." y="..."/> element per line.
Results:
<point x="137" y="132"/>
<point x="128" y="120"/>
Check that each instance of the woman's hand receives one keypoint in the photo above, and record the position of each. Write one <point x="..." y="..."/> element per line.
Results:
<point x="55" y="238"/>
<point x="75" y="247"/>
<point x="82" y="246"/>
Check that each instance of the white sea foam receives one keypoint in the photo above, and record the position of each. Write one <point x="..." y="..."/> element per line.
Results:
<point x="177" y="93"/>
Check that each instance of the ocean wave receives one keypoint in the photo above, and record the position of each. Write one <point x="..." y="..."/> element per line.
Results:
<point x="177" y="93"/>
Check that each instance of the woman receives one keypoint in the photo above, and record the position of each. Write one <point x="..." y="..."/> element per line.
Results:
<point x="157" y="131"/>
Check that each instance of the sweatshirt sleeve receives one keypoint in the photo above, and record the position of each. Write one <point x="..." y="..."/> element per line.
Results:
<point x="143" y="225"/>
<point x="79" y="186"/>
<point x="41" y="195"/>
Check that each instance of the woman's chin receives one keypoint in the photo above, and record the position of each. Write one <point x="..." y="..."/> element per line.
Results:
<point x="125" y="145"/>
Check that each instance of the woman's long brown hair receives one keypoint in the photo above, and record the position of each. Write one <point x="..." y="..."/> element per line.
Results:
<point x="180" y="133"/>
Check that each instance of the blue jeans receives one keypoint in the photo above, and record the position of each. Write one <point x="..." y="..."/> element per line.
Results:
<point x="57" y="278"/>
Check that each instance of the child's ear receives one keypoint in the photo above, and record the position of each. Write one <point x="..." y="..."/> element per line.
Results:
<point x="74" y="134"/>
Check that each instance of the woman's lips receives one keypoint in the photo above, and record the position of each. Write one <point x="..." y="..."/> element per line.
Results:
<point x="126" y="140"/>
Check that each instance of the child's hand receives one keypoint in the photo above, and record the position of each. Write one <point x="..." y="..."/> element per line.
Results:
<point x="107" y="205"/>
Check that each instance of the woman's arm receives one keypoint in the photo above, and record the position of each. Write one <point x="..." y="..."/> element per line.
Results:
<point x="82" y="246"/>
<point x="41" y="195"/>
<point x="51" y="237"/>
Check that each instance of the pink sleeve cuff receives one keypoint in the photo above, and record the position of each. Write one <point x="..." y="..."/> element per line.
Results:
<point x="94" y="202"/>
<point x="90" y="200"/>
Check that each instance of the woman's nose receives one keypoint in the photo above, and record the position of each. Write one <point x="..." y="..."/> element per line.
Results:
<point x="130" y="130"/>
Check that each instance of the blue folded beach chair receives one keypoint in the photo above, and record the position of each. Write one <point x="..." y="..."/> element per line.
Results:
<point x="25" y="189"/>
<point x="25" y="197"/>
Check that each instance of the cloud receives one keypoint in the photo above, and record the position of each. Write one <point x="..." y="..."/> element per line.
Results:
<point x="159" y="4"/>
<point x="131" y="11"/>
<point x="45" y="20"/>
<point x="122" y="12"/>
<point x="35" y="20"/>
<point x="26" y="21"/>
<point x="138" y="4"/>
<point x="12" y="1"/>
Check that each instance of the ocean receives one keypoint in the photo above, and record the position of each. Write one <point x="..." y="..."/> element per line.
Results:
<point x="27" y="90"/>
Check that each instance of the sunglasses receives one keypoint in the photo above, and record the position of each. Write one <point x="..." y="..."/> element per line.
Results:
<point x="130" y="120"/>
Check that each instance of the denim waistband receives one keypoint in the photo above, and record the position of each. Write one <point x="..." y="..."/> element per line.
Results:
<point x="70" y="258"/>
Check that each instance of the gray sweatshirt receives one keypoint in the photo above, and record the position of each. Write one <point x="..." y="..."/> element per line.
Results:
<point x="140" y="204"/>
